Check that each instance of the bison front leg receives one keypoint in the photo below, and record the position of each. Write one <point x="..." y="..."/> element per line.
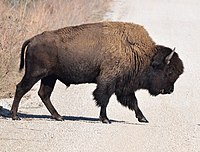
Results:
<point x="102" y="100"/>
<point x="130" y="101"/>
<point x="102" y="95"/>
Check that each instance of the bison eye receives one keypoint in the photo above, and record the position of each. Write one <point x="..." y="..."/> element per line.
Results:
<point x="169" y="74"/>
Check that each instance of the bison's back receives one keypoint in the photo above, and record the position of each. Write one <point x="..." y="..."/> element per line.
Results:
<point x="106" y="41"/>
<point x="105" y="35"/>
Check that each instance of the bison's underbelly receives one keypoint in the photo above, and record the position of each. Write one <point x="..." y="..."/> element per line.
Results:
<point x="78" y="66"/>
<point x="78" y="74"/>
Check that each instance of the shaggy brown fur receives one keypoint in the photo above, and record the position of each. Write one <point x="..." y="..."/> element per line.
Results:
<point x="119" y="57"/>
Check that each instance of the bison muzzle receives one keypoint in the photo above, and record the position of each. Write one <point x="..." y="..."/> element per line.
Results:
<point x="119" y="57"/>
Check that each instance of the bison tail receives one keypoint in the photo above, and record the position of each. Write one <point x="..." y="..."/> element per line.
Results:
<point x="22" y="54"/>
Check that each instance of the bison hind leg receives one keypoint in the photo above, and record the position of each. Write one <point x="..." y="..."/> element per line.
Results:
<point x="46" y="88"/>
<point x="22" y="88"/>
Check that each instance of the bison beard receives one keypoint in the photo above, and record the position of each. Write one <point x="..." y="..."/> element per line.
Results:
<point x="119" y="57"/>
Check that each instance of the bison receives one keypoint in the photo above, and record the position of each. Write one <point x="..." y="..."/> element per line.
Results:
<point x="119" y="57"/>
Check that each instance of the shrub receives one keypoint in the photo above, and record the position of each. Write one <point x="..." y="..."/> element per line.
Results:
<point x="22" y="19"/>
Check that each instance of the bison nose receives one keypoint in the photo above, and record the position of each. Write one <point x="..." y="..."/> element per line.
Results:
<point x="171" y="89"/>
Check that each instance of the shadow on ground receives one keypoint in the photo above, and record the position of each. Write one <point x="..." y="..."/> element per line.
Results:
<point x="5" y="114"/>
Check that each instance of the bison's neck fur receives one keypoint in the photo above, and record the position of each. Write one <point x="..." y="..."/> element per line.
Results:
<point x="132" y="50"/>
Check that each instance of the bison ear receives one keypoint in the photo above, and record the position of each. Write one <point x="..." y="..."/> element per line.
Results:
<point x="161" y="59"/>
<point x="157" y="65"/>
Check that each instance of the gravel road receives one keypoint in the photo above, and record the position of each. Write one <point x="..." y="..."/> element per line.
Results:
<point x="174" y="119"/>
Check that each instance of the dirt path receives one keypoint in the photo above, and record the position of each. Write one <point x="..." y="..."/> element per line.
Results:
<point x="174" y="119"/>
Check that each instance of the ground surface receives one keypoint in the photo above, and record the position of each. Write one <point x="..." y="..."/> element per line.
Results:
<point x="174" y="119"/>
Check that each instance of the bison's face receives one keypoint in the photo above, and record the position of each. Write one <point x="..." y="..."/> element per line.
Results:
<point x="164" y="72"/>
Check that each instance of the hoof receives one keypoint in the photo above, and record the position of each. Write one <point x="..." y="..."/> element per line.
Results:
<point x="105" y="120"/>
<point x="143" y="119"/>
<point x="58" y="118"/>
<point x="15" y="118"/>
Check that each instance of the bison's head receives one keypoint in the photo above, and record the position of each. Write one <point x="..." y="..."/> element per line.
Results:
<point x="165" y="69"/>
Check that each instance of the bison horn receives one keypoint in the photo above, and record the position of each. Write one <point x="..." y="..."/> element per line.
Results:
<point x="168" y="58"/>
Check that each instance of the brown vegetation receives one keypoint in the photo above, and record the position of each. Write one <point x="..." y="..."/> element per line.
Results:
<point x="23" y="19"/>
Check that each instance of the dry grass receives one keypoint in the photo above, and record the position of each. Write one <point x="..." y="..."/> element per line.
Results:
<point x="22" y="19"/>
